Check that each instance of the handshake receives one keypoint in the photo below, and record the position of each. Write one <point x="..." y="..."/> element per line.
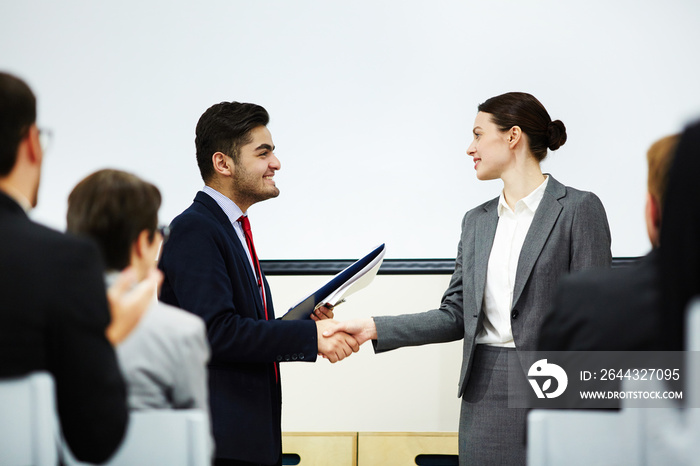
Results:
<point x="338" y="340"/>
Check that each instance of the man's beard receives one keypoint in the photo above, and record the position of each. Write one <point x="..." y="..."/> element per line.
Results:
<point x="249" y="187"/>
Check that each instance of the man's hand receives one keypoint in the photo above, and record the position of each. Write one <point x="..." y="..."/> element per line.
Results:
<point x="337" y="346"/>
<point x="322" y="313"/>
<point x="128" y="302"/>
<point x="362" y="329"/>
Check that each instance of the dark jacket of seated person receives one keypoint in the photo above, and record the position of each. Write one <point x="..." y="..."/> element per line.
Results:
<point x="611" y="310"/>
<point x="53" y="316"/>
<point x="619" y="309"/>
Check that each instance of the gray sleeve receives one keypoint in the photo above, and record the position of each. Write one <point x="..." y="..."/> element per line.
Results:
<point x="190" y="387"/>
<point x="190" y="390"/>
<point x="436" y="326"/>
<point x="590" y="242"/>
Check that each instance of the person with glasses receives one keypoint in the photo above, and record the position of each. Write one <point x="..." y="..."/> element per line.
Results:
<point x="54" y="313"/>
<point x="164" y="359"/>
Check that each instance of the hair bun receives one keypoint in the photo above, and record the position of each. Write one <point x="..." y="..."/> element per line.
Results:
<point x="556" y="134"/>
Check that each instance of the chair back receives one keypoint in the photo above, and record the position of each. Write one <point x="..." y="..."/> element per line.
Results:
<point x="172" y="437"/>
<point x="28" y="421"/>
<point x="665" y="434"/>
<point x="582" y="437"/>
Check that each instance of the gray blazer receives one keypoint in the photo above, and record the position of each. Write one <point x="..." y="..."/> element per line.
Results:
<point x="164" y="360"/>
<point x="569" y="232"/>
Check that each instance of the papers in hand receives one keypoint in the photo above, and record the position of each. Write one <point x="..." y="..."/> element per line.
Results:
<point x="348" y="281"/>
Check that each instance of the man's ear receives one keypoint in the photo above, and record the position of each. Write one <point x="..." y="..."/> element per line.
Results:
<point x="34" y="145"/>
<point x="652" y="214"/>
<point x="142" y="243"/>
<point x="515" y="134"/>
<point x="223" y="164"/>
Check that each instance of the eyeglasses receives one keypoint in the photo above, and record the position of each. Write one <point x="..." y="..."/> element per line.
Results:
<point x="164" y="231"/>
<point x="45" y="139"/>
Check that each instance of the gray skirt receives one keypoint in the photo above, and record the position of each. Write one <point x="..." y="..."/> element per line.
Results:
<point x="490" y="433"/>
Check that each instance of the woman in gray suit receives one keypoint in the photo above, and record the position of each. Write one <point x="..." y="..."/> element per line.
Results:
<point x="512" y="252"/>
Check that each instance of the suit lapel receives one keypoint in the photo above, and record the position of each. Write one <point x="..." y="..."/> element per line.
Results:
<point x="542" y="224"/>
<point x="240" y="253"/>
<point x="485" y="231"/>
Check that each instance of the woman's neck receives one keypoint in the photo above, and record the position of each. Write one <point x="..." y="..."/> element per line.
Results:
<point x="521" y="181"/>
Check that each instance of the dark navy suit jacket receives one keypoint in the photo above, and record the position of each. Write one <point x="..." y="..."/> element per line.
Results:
<point x="53" y="316"/>
<point x="208" y="273"/>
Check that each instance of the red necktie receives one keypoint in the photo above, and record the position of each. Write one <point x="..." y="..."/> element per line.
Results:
<point x="245" y="223"/>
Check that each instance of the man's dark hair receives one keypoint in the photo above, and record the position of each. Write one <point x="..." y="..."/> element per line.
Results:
<point x="113" y="207"/>
<point x="225" y="127"/>
<point x="17" y="115"/>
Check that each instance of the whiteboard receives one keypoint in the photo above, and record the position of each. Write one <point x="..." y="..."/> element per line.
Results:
<point x="412" y="389"/>
<point x="371" y="103"/>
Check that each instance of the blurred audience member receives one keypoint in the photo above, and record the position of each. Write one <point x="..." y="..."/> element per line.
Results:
<point x="618" y="309"/>
<point x="164" y="359"/>
<point x="54" y="313"/>
<point x="680" y="238"/>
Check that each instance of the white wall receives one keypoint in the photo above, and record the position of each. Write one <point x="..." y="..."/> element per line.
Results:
<point x="372" y="103"/>
<point x="406" y="390"/>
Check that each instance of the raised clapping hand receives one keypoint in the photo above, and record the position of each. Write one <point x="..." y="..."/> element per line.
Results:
<point x="128" y="301"/>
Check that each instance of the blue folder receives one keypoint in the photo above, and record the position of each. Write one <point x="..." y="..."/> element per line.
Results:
<point x="304" y="309"/>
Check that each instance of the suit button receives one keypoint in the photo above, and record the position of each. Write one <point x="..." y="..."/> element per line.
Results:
<point x="514" y="314"/>
<point x="286" y="357"/>
<point x="301" y="356"/>
<point x="279" y="357"/>
<point x="295" y="357"/>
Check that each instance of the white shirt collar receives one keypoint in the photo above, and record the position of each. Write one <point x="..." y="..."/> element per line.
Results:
<point x="232" y="211"/>
<point x="531" y="201"/>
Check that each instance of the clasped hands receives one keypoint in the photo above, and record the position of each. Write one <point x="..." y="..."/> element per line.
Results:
<point x="338" y="340"/>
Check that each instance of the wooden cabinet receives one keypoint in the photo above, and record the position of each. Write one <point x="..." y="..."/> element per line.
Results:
<point x="370" y="448"/>
<point x="320" y="448"/>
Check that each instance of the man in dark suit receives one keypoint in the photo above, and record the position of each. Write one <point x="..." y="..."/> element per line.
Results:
<point x="54" y="313"/>
<point x="212" y="270"/>
<point x="618" y="309"/>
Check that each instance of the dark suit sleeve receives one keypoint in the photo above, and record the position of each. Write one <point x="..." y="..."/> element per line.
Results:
<point x="204" y="276"/>
<point x="91" y="395"/>
<point x="590" y="235"/>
